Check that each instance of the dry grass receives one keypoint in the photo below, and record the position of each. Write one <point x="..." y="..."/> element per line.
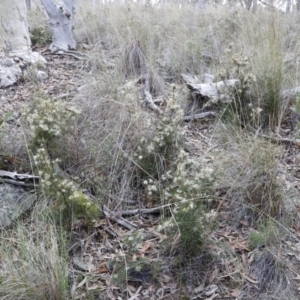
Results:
<point x="274" y="276"/>
<point x="102" y="149"/>
<point x="250" y="169"/>
<point x="33" y="261"/>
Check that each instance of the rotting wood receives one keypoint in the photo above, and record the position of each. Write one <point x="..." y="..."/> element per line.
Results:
<point x="148" y="97"/>
<point x="216" y="90"/>
<point x="15" y="178"/>
<point x="209" y="90"/>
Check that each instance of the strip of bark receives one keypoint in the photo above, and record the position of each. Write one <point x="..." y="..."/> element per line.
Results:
<point x="125" y="223"/>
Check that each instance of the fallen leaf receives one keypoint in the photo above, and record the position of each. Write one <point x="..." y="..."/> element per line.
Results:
<point x="145" y="247"/>
<point x="249" y="278"/>
<point x="240" y="245"/>
<point x="95" y="287"/>
<point x="100" y="223"/>
<point x="213" y="275"/>
<point x="82" y="282"/>
<point x="213" y="289"/>
<point x="101" y="269"/>
<point x="212" y="297"/>
<point x="199" y="289"/>
<point x="235" y="293"/>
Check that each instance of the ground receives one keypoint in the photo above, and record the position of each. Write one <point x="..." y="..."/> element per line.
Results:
<point x="228" y="267"/>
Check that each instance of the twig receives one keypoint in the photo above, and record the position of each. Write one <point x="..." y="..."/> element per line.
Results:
<point x="276" y="139"/>
<point x="148" y="97"/>
<point x="20" y="183"/>
<point x="199" y="116"/>
<point x="110" y="231"/>
<point x="281" y="140"/>
<point x="150" y="102"/>
<point x="17" y="176"/>
<point x="125" y="223"/>
<point x="140" y="211"/>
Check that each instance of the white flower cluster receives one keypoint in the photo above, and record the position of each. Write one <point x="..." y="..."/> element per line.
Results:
<point x="184" y="183"/>
<point x="50" y="117"/>
<point x="256" y="111"/>
<point x="56" y="187"/>
<point x="186" y="187"/>
<point x="166" y="225"/>
<point x="167" y="133"/>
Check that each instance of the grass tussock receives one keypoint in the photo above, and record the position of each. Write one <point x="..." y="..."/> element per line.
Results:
<point x="33" y="262"/>
<point x="274" y="277"/>
<point x="251" y="172"/>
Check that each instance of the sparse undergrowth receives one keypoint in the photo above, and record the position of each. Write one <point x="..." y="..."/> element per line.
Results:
<point x="223" y="207"/>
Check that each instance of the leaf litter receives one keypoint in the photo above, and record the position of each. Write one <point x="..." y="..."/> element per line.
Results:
<point x="226" y="269"/>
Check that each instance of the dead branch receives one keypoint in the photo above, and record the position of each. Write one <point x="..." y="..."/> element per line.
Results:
<point x="125" y="223"/>
<point x="19" y="179"/>
<point x="148" y="97"/>
<point x="140" y="211"/>
<point x="200" y="116"/>
<point x="209" y="90"/>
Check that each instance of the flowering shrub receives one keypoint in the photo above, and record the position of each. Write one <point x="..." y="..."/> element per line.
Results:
<point x="238" y="102"/>
<point x="48" y="120"/>
<point x="156" y="153"/>
<point x="188" y="188"/>
<point x="175" y="179"/>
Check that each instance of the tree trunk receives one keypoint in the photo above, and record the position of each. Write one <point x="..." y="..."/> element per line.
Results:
<point x="14" y="42"/>
<point x="251" y="3"/>
<point x="14" y="35"/>
<point x="28" y="4"/>
<point x="201" y="5"/>
<point x="288" y="6"/>
<point x="61" y="15"/>
<point x="248" y="4"/>
<point x="298" y="5"/>
<point x="254" y="6"/>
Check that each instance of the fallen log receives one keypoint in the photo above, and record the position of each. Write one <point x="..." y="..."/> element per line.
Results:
<point x="211" y="90"/>
<point x="217" y="90"/>
<point x="19" y="179"/>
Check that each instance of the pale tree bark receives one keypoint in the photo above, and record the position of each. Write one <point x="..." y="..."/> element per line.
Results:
<point x="248" y="4"/>
<point x="61" y="15"/>
<point x="15" y="44"/>
<point x="251" y="4"/>
<point x="14" y="35"/>
<point x="28" y="4"/>
<point x="298" y="5"/>
<point x="254" y="6"/>
<point x="288" y="6"/>
<point x="201" y="5"/>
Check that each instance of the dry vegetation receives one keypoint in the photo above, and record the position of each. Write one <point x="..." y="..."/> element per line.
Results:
<point x="136" y="204"/>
